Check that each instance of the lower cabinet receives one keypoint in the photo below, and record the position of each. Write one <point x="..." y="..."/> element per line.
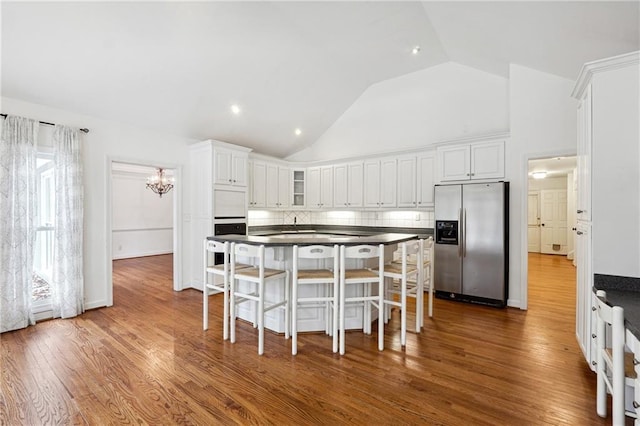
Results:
<point x="585" y="315"/>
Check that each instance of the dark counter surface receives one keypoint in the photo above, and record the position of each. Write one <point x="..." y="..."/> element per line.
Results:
<point x="624" y="292"/>
<point x="285" y="239"/>
<point x="339" y="229"/>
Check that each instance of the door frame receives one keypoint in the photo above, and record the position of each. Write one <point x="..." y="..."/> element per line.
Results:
<point x="524" y="199"/>
<point x="177" y="222"/>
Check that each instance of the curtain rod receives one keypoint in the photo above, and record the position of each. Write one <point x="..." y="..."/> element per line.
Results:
<point x="85" y="130"/>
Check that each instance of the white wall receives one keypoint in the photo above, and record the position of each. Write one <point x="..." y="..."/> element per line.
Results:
<point x="107" y="139"/>
<point x="543" y="124"/>
<point x="448" y="101"/>
<point x="142" y="220"/>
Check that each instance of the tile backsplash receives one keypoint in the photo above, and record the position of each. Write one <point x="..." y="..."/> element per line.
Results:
<point x="396" y="218"/>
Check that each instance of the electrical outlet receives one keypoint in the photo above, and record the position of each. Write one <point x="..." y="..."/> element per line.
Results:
<point x="417" y="217"/>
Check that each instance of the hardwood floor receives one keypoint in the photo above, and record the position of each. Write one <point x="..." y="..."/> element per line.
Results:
<point x="146" y="360"/>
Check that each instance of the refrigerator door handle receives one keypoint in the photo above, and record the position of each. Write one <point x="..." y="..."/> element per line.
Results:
<point x="464" y="232"/>
<point x="460" y="233"/>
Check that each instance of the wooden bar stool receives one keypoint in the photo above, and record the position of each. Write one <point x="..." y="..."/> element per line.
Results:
<point x="260" y="276"/>
<point x="365" y="276"/>
<point x="327" y="298"/>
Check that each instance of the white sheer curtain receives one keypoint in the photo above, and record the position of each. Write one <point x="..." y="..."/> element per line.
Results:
<point x="17" y="221"/>
<point x="67" y="286"/>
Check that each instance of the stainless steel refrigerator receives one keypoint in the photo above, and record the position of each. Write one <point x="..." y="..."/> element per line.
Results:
<point x="472" y="242"/>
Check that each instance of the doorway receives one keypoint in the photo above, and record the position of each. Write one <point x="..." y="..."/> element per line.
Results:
<point x="139" y="222"/>
<point x="550" y="209"/>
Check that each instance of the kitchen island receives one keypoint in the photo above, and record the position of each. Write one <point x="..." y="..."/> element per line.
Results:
<point x="279" y="255"/>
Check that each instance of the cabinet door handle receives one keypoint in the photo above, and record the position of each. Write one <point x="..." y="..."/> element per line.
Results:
<point x="473" y="174"/>
<point x="579" y="211"/>
<point x="579" y="232"/>
<point x="635" y="405"/>
<point x="593" y="308"/>
<point x="593" y="336"/>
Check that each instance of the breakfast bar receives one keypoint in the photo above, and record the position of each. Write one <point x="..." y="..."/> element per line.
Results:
<point x="279" y="252"/>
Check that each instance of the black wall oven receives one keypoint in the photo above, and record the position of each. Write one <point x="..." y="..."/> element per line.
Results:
<point x="228" y="227"/>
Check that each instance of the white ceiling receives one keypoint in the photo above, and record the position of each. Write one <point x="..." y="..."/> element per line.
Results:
<point x="177" y="67"/>
<point x="554" y="167"/>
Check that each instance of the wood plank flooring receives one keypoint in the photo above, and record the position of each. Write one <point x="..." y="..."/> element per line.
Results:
<point x="146" y="360"/>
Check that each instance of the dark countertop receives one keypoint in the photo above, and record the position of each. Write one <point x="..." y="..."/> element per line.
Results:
<point x="340" y="229"/>
<point x="290" y="239"/>
<point x="624" y="292"/>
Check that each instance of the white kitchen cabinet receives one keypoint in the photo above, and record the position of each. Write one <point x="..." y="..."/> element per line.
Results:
<point x="407" y="181"/>
<point x="258" y="185"/>
<point x="230" y="167"/>
<point x="203" y="178"/>
<point x="416" y="177"/>
<point x="320" y="187"/>
<point x="583" y="206"/>
<point x="278" y="183"/>
<point x="348" y="184"/>
<point x="426" y="166"/>
<point x="380" y="183"/>
<point x="475" y="161"/>
<point x="584" y="293"/>
<point x="608" y="169"/>
<point x="298" y="198"/>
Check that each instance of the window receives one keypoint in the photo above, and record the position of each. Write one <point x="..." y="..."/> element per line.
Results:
<point x="45" y="211"/>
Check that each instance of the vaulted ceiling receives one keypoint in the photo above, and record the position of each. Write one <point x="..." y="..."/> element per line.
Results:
<point x="177" y="67"/>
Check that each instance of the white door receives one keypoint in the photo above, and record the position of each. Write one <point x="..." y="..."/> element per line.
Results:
<point x="533" y="222"/>
<point x="553" y="221"/>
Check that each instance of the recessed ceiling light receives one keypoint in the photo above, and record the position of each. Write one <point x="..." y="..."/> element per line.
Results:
<point x="235" y="109"/>
<point x="415" y="50"/>
<point x="539" y="175"/>
<point x="298" y="132"/>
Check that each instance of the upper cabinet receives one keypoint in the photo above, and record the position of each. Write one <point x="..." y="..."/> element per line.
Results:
<point x="426" y="178"/>
<point x="416" y="176"/>
<point x="380" y="183"/>
<point x="348" y="184"/>
<point x="320" y="187"/>
<point x="230" y="167"/>
<point x="257" y="184"/>
<point x="278" y="184"/>
<point x="481" y="160"/>
<point x="299" y="188"/>
<point x="407" y="181"/>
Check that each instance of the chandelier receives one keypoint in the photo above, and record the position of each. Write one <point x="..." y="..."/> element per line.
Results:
<point x="159" y="183"/>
